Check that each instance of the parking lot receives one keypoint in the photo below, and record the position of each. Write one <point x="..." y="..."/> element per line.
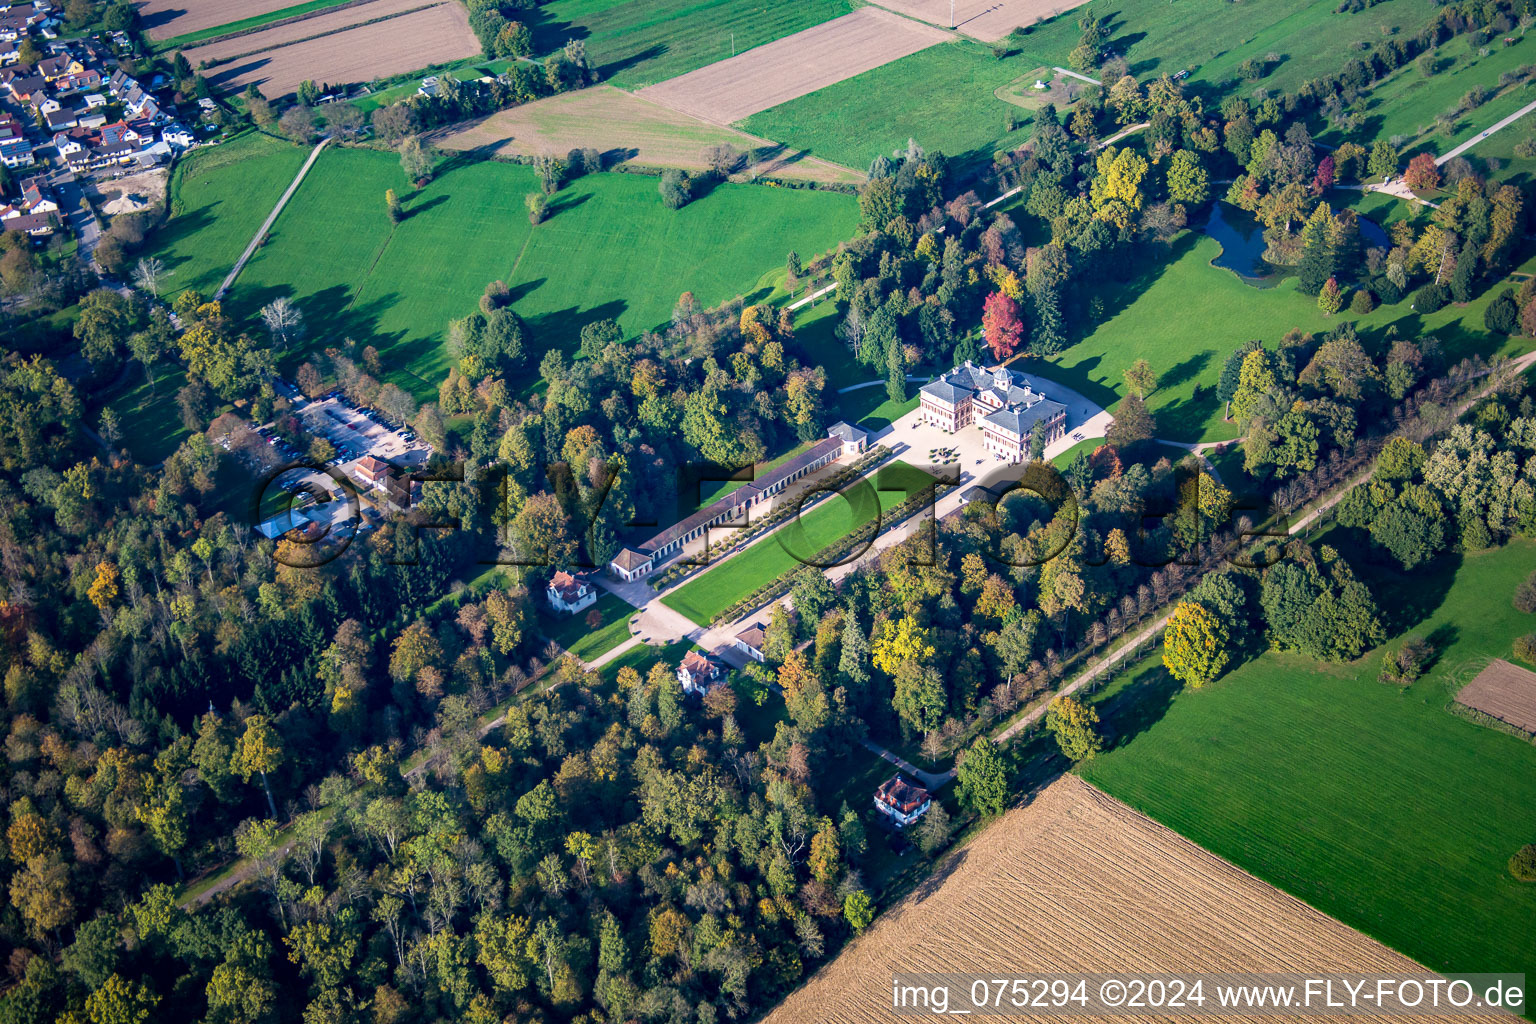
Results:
<point x="356" y="433"/>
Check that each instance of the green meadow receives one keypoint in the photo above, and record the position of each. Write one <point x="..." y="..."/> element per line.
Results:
<point x="255" y="21"/>
<point x="941" y="96"/>
<point x="1157" y="37"/>
<point x="218" y="198"/>
<point x="609" y="249"/>
<point x="634" y="43"/>
<point x="1376" y="805"/>
<point x="572" y="632"/>
<point x="1184" y="316"/>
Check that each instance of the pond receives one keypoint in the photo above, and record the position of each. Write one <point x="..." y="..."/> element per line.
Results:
<point x="1243" y="245"/>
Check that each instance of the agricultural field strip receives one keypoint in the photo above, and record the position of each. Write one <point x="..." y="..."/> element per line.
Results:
<point x="730" y="90"/>
<point x="1078" y="882"/>
<point x="1504" y="691"/>
<point x="396" y="45"/>
<point x="304" y="31"/>
<point x="186" y="17"/>
<point x="986" y="20"/>
<point x="609" y="119"/>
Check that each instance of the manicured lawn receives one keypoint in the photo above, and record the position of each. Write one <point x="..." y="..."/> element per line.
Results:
<point x="1184" y="316"/>
<point x="941" y="96"/>
<point x="218" y="197"/>
<point x="609" y="249"/>
<point x="633" y="43"/>
<point x="789" y="546"/>
<point x="1376" y="806"/>
<point x="572" y="633"/>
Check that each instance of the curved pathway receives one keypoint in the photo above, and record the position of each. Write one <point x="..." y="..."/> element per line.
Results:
<point x="266" y="225"/>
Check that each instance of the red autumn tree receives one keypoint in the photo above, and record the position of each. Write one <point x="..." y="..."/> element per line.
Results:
<point x="1422" y="174"/>
<point x="1324" y="179"/>
<point x="1003" y="326"/>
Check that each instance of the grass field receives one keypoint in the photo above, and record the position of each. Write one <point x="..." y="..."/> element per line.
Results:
<point x="572" y="633"/>
<point x="1375" y="805"/>
<point x="789" y="546"/>
<point x="1405" y="103"/>
<point x="151" y="422"/>
<point x="609" y="249"/>
<point x="218" y="198"/>
<point x="634" y="43"/>
<point x="1158" y="37"/>
<point x="1183" y="316"/>
<point x="941" y="96"/>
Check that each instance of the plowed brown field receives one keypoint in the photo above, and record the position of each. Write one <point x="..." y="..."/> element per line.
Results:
<point x="433" y="36"/>
<point x="166" y="18"/>
<point x="1079" y="882"/>
<point x="283" y="35"/>
<point x="625" y="127"/>
<point x="764" y="77"/>
<point x="1505" y="691"/>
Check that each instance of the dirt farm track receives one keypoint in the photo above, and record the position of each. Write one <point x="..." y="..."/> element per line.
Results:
<point x="1079" y="882"/>
<point x="337" y="48"/>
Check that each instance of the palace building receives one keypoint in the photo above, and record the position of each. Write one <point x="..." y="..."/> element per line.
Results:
<point x="999" y="401"/>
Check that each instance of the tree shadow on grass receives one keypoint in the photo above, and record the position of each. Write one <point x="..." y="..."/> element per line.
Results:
<point x="1137" y="706"/>
<point x="567" y="201"/>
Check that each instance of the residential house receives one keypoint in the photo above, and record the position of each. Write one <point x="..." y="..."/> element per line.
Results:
<point x="699" y="673"/>
<point x="36" y="196"/>
<point x="53" y="68"/>
<point x="16" y="151"/>
<point x="91" y="117"/>
<point x="77" y="82"/>
<point x="629" y="564"/>
<point x="9" y="53"/>
<point x="999" y="401"/>
<point x="178" y="137"/>
<point x="34" y="224"/>
<point x="567" y="593"/>
<point x="902" y="801"/>
<point x="27" y="88"/>
<point x="750" y="641"/>
<point x="58" y="120"/>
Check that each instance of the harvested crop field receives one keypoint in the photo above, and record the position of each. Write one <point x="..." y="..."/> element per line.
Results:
<point x="338" y="48"/>
<point x="163" y="19"/>
<point x="1504" y="691"/>
<point x="626" y="127"/>
<point x="1079" y="882"/>
<point x="730" y="90"/>
<point x="987" y="20"/>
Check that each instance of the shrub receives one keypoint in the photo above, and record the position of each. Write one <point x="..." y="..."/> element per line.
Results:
<point x="675" y="188"/>
<point x="1523" y="864"/>
<point x="1525" y="594"/>
<point x="1525" y="648"/>
<point x="1402" y="666"/>
<point x="538" y="206"/>
<point x="1430" y="298"/>
<point x="1362" y="303"/>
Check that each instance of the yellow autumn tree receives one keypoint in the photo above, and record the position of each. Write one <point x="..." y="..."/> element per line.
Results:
<point x="103" y="590"/>
<point x="897" y="643"/>
<point x="1195" y="645"/>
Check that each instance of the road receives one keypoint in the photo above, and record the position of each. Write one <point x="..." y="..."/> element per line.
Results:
<point x="1511" y="119"/>
<point x="266" y="225"/>
<point x="82" y="223"/>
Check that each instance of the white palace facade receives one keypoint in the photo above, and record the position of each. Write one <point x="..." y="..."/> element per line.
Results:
<point x="1000" y="401"/>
